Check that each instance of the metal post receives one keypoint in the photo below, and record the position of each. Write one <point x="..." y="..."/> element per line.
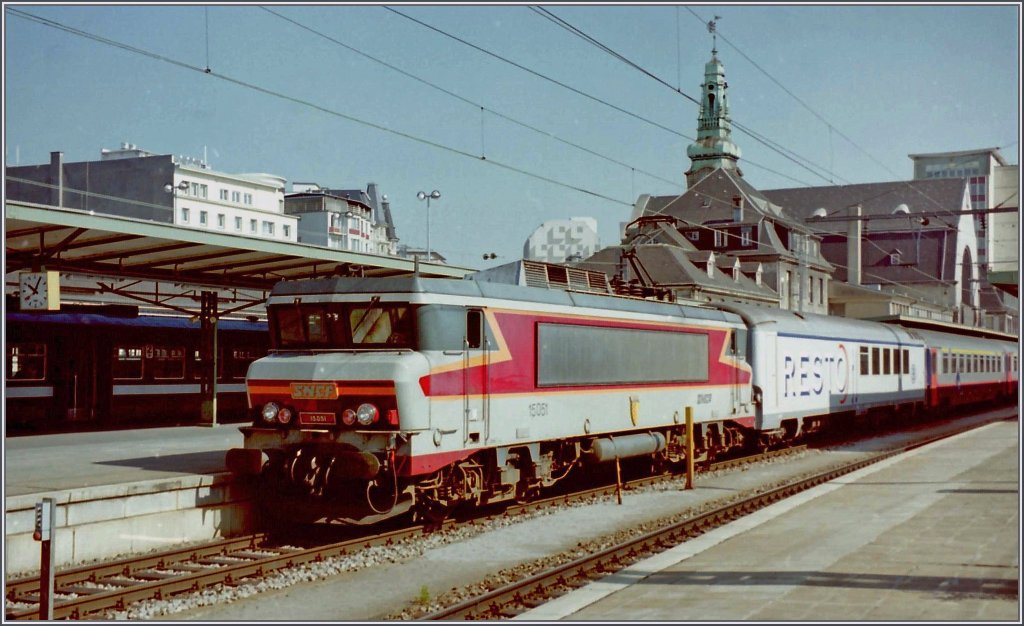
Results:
<point x="45" y="517"/>
<point x="208" y="352"/>
<point x="618" y="480"/>
<point x="689" y="447"/>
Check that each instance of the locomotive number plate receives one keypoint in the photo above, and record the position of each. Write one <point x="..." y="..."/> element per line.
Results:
<point x="314" y="391"/>
<point x="317" y="419"/>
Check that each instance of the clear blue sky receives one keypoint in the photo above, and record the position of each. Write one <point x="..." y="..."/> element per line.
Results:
<point x="889" y="80"/>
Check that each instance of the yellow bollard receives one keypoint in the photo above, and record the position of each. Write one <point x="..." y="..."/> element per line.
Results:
<point x="618" y="481"/>
<point x="689" y="447"/>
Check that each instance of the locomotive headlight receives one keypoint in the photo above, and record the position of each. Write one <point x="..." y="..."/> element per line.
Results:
<point x="284" y="416"/>
<point x="348" y="417"/>
<point x="269" y="413"/>
<point x="367" y="414"/>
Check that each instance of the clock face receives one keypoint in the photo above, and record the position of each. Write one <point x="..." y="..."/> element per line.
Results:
<point x="35" y="290"/>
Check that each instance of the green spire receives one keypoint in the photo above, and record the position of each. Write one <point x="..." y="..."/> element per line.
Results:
<point x="714" y="148"/>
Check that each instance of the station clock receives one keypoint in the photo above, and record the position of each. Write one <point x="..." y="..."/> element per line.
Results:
<point x="39" y="291"/>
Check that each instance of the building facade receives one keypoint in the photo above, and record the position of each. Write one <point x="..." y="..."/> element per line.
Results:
<point x="978" y="167"/>
<point x="343" y="219"/>
<point x="131" y="182"/>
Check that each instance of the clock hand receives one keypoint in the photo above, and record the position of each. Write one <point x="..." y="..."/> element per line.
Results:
<point x="35" y="289"/>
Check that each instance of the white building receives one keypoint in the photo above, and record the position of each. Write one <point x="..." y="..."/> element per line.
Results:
<point x="343" y="219"/>
<point x="238" y="204"/>
<point x="558" y="241"/>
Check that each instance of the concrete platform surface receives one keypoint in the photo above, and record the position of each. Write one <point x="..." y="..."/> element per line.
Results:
<point x="47" y="463"/>
<point x="932" y="535"/>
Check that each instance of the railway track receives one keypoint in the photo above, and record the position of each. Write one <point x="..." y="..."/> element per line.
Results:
<point x="87" y="590"/>
<point x="527" y="593"/>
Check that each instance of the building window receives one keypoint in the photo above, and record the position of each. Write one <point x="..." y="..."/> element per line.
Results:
<point x="720" y="236"/>
<point x="287" y="229"/>
<point x="238" y="223"/>
<point x="184" y="214"/>
<point x="202" y="218"/>
<point x="248" y="198"/>
<point x="745" y="233"/>
<point x="252" y="226"/>
<point x="268" y="228"/>
<point x="220" y="221"/>
<point x="203" y="190"/>
<point x="693" y="235"/>
<point x="235" y="196"/>
<point x="894" y="258"/>
<point x="224" y="195"/>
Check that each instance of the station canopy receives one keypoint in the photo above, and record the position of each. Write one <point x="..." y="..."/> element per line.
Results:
<point x="75" y="241"/>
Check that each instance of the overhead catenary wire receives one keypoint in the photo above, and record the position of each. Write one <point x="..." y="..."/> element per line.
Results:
<point x="771" y="144"/>
<point x="296" y="100"/>
<point x="575" y="90"/>
<point x="461" y="98"/>
<point x="830" y="126"/>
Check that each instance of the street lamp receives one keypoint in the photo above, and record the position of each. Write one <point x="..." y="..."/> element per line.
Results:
<point x="433" y="195"/>
<point x="173" y="189"/>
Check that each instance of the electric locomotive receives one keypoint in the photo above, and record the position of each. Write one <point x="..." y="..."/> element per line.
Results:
<point x="384" y="394"/>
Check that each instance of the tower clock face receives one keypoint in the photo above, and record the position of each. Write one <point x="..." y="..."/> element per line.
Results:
<point x="35" y="290"/>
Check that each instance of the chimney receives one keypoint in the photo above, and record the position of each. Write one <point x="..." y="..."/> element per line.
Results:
<point x="854" y="231"/>
<point x="57" y="179"/>
<point x="737" y="209"/>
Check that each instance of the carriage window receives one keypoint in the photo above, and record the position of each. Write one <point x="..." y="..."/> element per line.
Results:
<point x="238" y="364"/>
<point x="945" y="363"/>
<point x="127" y="363"/>
<point x="864" y="360"/>
<point x="876" y="361"/>
<point x="906" y="361"/>
<point x="167" y="363"/>
<point x="887" y="361"/>
<point x="896" y="367"/>
<point x="26" y="361"/>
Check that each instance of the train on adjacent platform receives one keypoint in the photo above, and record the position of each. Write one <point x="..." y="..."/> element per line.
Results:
<point x="382" y="396"/>
<point x="111" y="367"/>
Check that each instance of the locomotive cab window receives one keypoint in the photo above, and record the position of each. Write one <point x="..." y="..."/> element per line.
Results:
<point x="342" y="326"/>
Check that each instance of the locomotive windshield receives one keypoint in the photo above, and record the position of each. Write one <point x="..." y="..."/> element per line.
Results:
<point x="341" y="326"/>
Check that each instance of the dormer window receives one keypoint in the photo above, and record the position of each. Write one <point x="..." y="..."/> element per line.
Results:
<point x="894" y="257"/>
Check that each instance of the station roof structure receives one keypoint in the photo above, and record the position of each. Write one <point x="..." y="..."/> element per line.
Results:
<point x="69" y="240"/>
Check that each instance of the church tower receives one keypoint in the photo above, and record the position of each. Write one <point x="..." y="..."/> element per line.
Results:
<point x="714" y="147"/>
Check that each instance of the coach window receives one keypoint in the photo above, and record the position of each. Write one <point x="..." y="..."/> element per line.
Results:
<point x="896" y="365"/>
<point x="876" y="361"/>
<point x="26" y="361"/>
<point x="887" y="361"/>
<point x="127" y="363"/>
<point x="864" y="361"/>
<point x="238" y="365"/>
<point x="168" y="363"/>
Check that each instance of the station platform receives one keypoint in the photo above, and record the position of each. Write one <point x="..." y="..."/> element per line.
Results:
<point x="931" y="535"/>
<point x="119" y="492"/>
